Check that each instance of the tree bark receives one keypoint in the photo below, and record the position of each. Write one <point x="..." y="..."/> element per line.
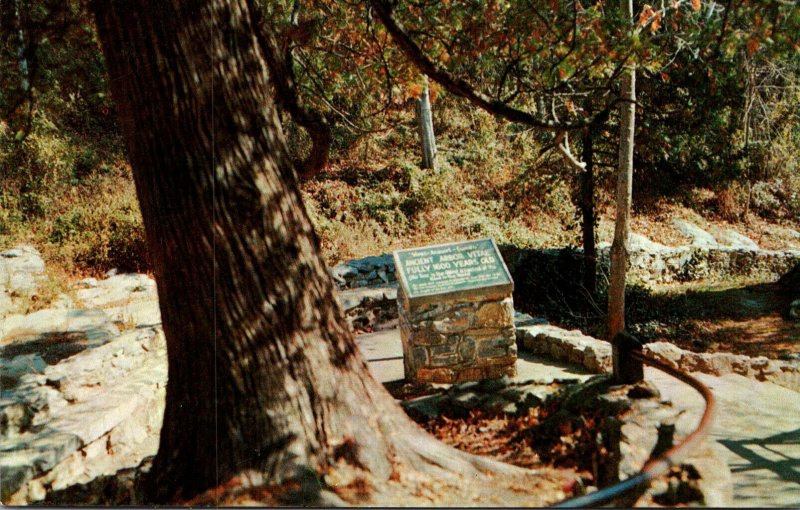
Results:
<point x="265" y="380"/>
<point x="425" y="125"/>
<point x="619" y="248"/>
<point x="263" y="372"/>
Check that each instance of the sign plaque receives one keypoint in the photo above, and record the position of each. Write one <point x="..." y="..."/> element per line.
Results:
<point x="453" y="270"/>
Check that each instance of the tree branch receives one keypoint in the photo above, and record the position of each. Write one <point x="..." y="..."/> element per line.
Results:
<point x="461" y="88"/>
<point x="281" y="74"/>
<point x="562" y="144"/>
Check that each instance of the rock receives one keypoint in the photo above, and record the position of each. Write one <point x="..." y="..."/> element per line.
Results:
<point x="371" y="263"/>
<point x="129" y="299"/>
<point x="523" y="319"/>
<point x="494" y="403"/>
<point x="62" y="301"/>
<point x="468" y="400"/>
<point x="734" y="239"/>
<point x="794" y="309"/>
<point x="344" y="272"/>
<point x="18" y="366"/>
<point x="138" y="314"/>
<point x="21" y="270"/>
<point x="94" y="413"/>
<point x="6" y="304"/>
<point x="563" y="345"/>
<point x="638" y="242"/>
<point x="458" y="322"/>
<point x="494" y="385"/>
<point x="116" y="290"/>
<point x="353" y="298"/>
<point x="86" y="283"/>
<point x="373" y="270"/>
<point x="699" y="237"/>
<point x="664" y="352"/>
<point x="55" y="333"/>
<point x="495" y="314"/>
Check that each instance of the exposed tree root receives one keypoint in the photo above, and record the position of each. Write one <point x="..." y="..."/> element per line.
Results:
<point x="424" y="472"/>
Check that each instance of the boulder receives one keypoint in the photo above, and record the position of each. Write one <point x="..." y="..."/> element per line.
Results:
<point x="638" y="242"/>
<point x="734" y="239"/>
<point x="89" y="415"/>
<point x="699" y="237"/>
<point x="129" y="299"/>
<point x="21" y="274"/>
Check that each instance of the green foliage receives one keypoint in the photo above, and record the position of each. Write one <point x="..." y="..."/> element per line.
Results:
<point x="104" y="235"/>
<point x="65" y="184"/>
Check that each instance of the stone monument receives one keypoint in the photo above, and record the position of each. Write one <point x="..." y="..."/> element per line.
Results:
<point x="456" y="312"/>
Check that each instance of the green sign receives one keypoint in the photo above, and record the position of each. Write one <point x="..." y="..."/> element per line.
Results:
<point x="470" y="267"/>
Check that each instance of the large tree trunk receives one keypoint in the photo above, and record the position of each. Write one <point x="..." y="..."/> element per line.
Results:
<point x="619" y="248"/>
<point x="264" y="376"/>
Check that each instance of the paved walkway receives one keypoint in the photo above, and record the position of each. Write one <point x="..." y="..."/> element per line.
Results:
<point x="384" y="351"/>
<point x="756" y="429"/>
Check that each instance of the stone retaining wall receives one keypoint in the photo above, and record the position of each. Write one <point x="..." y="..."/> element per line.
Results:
<point x="571" y="346"/>
<point x="690" y="263"/>
<point x="595" y="355"/>
<point x="653" y="265"/>
<point x="649" y="263"/>
<point x="780" y="372"/>
<point x="366" y="272"/>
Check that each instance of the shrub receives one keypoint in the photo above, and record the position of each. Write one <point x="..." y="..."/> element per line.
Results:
<point x="765" y="200"/>
<point x="113" y="238"/>
<point x="33" y="205"/>
<point x="85" y="163"/>
<point x="728" y="204"/>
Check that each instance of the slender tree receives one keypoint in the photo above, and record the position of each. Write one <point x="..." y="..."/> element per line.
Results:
<point x="619" y="248"/>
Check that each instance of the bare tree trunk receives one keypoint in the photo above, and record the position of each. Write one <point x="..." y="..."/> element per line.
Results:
<point x="425" y="124"/>
<point x="619" y="248"/>
<point x="265" y="380"/>
<point x="588" y="214"/>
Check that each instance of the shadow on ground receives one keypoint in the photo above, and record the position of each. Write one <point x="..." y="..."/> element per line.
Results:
<point x="779" y="453"/>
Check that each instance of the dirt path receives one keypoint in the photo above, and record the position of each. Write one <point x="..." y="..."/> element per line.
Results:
<point x="747" y="319"/>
